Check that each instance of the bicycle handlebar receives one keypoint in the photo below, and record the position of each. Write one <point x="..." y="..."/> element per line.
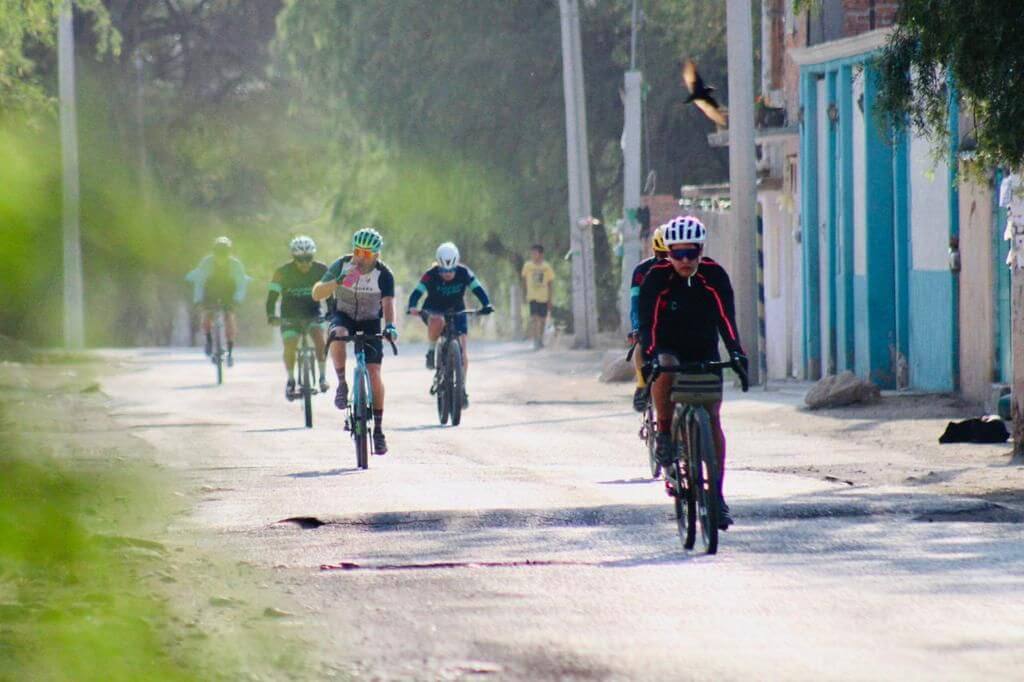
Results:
<point x="702" y="366"/>
<point x="363" y="336"/>
<point x="450" y="313"/>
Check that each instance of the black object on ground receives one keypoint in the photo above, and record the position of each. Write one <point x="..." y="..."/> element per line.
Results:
<point x="977" y="430"/>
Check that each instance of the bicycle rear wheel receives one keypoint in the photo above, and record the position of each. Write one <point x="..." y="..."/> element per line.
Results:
<point x="218" y="358"/>
<point x="703" y="469"/>
<point x="306" y="381"/>
<point x="456" y="381"/>
<point x="651" y="440"/>
<point x="360" y="420"/>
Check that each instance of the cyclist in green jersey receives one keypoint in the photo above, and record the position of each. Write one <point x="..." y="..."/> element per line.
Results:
<point x="293" y="284"/>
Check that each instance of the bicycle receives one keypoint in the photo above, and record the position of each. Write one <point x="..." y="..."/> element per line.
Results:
<point x="305" y="364"/>
<point x="696" y="482"/>
<point x="449" y="373"/>
<point x="217" y="356"/>
<point x="360" y="402"/>
<point x="648" y="427"/>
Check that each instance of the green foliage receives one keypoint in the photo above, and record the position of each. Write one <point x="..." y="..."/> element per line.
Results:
<point x="979" y="43"/>
<point x="84" y="592"/>
<point x="30" y="23"/>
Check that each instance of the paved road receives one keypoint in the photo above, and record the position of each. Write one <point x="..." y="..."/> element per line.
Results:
<point x="818" y="579"/>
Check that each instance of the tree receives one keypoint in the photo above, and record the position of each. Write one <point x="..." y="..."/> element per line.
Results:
<point x="31" y="26"/>
<point x="465" y="99"/>
<point x="978" y="46"/>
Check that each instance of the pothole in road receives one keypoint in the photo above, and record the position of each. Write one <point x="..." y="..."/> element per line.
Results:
<point x="989" y="513"/>
<point x="305" y="522"/>
<point x="520" y="563"/>
<point x="620" y="516"/>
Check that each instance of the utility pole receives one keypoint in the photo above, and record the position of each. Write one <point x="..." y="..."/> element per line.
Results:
<point x="581" y="234"/>
<point x="140" y="126"/>
<point x="631" y="161"/>
<point x="1017" y="353"/>
<point x="742" y="175"/>
<point x="74" y="319"/>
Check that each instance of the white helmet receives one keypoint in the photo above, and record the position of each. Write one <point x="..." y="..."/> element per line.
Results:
<point x="684" y="230"/>
<point x="302" y="246"/>
<point x="447" y="256"/>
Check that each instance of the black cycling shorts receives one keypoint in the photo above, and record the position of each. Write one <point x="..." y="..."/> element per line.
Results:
<point x="344" y="325"/>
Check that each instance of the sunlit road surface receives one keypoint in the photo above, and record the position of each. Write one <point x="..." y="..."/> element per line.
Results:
<point x="529" y="542"/>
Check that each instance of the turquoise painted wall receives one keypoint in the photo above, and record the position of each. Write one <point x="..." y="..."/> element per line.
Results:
<point x="931" y="362"/>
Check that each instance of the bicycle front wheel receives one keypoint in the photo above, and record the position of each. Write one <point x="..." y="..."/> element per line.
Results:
<point x="443" y="388"/>
<point x="703" y="469"/>
<point x="456" y="381"/>
<point x="306" y="379"/>
<point x="360" y="420"/>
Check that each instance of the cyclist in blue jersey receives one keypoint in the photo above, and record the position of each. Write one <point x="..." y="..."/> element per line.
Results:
<point x="444" y="286"/>
<point x="219" y="284"/>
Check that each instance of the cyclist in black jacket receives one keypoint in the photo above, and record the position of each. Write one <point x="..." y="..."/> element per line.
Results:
<point x="685" y="305"/>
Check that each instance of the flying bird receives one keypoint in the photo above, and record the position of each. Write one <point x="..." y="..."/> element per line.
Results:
<point x="700" y="94"/>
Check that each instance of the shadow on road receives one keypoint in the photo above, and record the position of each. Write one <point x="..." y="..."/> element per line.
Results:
<point x="562" y="420"/>
<point x="321" y="474"/>
<point x="908" y="533"/>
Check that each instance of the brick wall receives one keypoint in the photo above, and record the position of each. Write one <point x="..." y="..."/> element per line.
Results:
<point x="860" y="16"/>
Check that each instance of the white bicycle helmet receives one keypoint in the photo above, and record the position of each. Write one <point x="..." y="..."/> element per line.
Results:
<point x="222" y="243"/>
<point x="684" y="230"/>
<point x="447" y="256"/>
<point x="302" y="246"/>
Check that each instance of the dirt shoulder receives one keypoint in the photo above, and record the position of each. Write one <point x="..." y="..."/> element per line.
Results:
<point x="94" y="581"/>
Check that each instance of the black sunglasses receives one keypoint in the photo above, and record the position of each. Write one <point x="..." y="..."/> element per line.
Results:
<point x="692" y="253"/>
<point x="304" y="259"/>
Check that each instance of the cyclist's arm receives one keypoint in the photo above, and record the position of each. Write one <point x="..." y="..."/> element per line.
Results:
<point x="727" y="328"/>
<point x="241" y="280"/>
<point x="646" y="299"/>
<point x="419" y="292"/>
<point x="634" y="298"/>
<point x="478" y="290"/>
<point x="273" y="293"/>
<point x="387" y="292"/>
<point x="328" y="283"/>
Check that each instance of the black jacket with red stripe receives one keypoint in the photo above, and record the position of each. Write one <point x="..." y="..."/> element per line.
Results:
<point x="686" y="315"/>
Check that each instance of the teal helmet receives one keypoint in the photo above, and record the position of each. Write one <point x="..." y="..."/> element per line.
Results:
<point x="368" y="238"/>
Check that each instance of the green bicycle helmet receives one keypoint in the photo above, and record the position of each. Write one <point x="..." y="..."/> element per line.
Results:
<point x="368" y="238"/>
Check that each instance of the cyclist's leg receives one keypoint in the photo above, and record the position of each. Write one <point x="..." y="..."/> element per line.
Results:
<point x="435" y="325"/>
<point x="661" y="395"/>
<point x="230" y="326"/>
<point x="464" y="343"/>
<point x="374" y="357"/>
<point x="207" y="321"/>
<point x="340" y="326"/>
<point x="290" y="336"/>
<point x="461" y="323"/>
<point x="718" y="435"/>
<point x="316" y="332"/>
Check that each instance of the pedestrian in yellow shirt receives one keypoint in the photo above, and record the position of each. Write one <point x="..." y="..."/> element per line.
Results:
<point x="538" y="279"/>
